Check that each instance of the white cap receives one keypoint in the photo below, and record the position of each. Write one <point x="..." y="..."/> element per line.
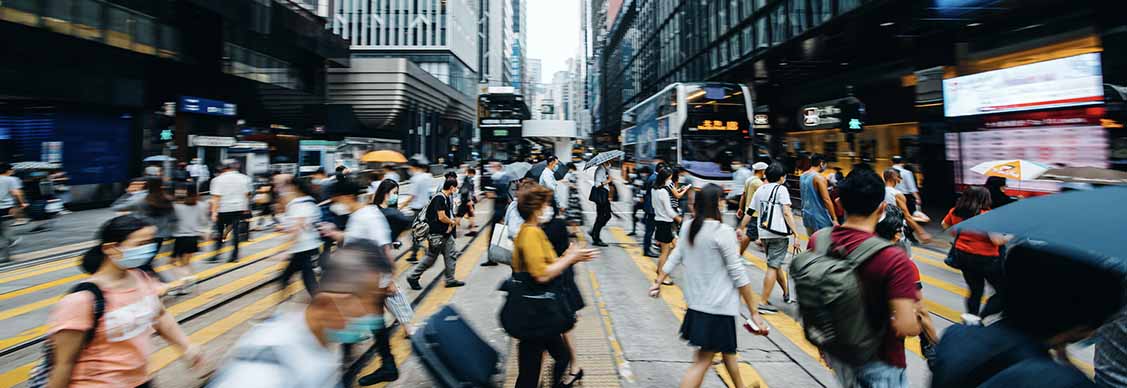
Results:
<point x="759" y="166"/>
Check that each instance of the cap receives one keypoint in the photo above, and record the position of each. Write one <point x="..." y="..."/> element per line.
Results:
<point x="897" y="159"/>
<point x="759" y="166"/>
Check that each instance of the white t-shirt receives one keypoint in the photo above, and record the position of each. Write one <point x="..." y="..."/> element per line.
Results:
<point x="421" y="190"/>
<point x="890" y="194"/>
<point x="233" y="189"/>
<point x="304" y="209"/>
<point x="760" y="202"/>
<point x="368" y="223"/>
<point x="907" y="183"/>
<point x="662" y="204"/>
<point x="280" y="353"/>
<point x="7" y="184"/>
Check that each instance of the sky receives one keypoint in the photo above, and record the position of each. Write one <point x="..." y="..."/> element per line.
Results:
<point x="553" y="33"/>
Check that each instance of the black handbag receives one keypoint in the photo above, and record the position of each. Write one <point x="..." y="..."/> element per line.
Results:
<point x="952" y="259"/>
<point x="534" y="310"/>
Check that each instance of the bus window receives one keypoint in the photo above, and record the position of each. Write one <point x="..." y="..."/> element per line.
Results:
<point x="709" y="153"/>
<point x="715" y="99"/>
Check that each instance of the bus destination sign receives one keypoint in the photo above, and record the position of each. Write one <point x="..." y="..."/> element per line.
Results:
<point x="718" y="125"/>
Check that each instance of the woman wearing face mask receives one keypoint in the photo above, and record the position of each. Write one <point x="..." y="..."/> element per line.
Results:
<point x="301" y="216"/>
<point x="156" y="207"/>
<point x="116" y="354"/>
<point x="556" y="230"/>
<point x="387" y="198"/>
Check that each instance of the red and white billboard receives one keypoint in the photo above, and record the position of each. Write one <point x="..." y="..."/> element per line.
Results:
<point x="1070" y="81"/>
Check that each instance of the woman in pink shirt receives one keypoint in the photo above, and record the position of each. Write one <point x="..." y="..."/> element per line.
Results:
<point x="116" y="356"/>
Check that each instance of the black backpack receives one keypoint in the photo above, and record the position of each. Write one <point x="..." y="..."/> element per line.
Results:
<point x="40" y="374"/>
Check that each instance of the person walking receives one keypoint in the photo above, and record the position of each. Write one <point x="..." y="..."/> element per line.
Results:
<point x="665" y="215"/>
<point x="996" y="185"/>
<point x="773" y="203"/>
<point x="11" y="201"/>
<point x="295" y="349"/>
<point x="468" y="193"/>
<point x="889" y="283"/>
<point x="977" y="255"/>
<point x="908" y="186"/>
<point x="713" y="287"/>
<point x="547" y="179"/>
<point x="740" y="174"/>
<point x="113" y="351"/>
<point x="157" y="208"/>
<point x="501" y="199"/>
<point x="443" y="226"/>
<point x="192" y="219"/>
<point x="894" y="198"/>
<point x="533" y="255"/>
<point x="647" y="205"/>
<point x="817" y="207"/>
<point x="640" y="185"/>
<point x="230" y="199"/>
<point x="600" y="195"/>
<point x="299" y="224"/>
<point x="421" y="190"/>
<point x="748" y="216"/>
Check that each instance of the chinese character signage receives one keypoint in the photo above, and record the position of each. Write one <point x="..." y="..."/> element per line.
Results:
<point x="718" y="125"/>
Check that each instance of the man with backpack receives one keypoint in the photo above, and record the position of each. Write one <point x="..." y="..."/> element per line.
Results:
<point x="441" y="226"/>
<point x="858" y="294"/>
<point x="772" y="202"/>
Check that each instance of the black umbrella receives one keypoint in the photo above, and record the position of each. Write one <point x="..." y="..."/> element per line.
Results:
<point x="538" y="169"/>
<point x="1086" y="225"/>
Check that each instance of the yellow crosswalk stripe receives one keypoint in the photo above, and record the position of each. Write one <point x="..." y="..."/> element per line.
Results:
<point x="70" y="262"/>
<point x="676" y="302"/>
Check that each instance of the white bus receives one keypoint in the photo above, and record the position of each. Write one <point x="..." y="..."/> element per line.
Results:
<point x="701" y="126"/>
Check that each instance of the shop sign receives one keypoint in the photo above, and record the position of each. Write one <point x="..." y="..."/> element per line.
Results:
<point x="820" y="116"/>
<point x="210" y="141"/>
<point x="190" y="104"/>
<point x="1064" y="82"/>
<point x="761" y="121"/>
<point x="253" y="145"/>
<point x="1082" y="116"/>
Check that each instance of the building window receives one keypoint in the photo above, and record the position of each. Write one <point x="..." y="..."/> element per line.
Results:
<point x="779" y="31"/>
<point x="117" y="27"/>
<point x="746" y="37"/>
<point x="762" y="36"/>
<point x="798" y="17"/>
<point x="821" y="11"/>
<point x="734" y="46"/>
<point x="847" y="5"/>
<point x="723" y="53"/>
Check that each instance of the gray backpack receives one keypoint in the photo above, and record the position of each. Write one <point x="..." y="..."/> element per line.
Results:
<point x="831" y="299"/>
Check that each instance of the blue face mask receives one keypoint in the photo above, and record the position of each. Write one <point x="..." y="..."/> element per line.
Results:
<point x="136" y="256"/>
<point x="393" y="200"/>
<point x="357" y="329"/>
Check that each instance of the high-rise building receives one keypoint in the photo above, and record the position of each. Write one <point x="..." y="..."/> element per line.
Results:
<point x="520" y="47"/>
<point x="532" y="72"/>
<point x="495" y="40"/>
<point x="405" y="54"/>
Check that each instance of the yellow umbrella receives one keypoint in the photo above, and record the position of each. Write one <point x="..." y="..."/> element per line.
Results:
<point x="383" y="156"/>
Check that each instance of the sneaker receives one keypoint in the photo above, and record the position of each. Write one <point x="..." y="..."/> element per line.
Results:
<point x="767" y="309"/>
<point x="412" y="259"/>
<point x="598" y="243"/>
<point x="455" y="284"/>
<point x="971" y="320"/>
<point x="381" y="375"/>
<point x="788" y="299"/>
<point x="471" y="233"/>
<point x="632" y="234"/>
<point x="414" y="283"/>
<point x="488" y="263"/>
<point x="651" y="254"/>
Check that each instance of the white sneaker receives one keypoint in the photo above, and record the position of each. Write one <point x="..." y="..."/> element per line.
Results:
<point x="971" y="320"/>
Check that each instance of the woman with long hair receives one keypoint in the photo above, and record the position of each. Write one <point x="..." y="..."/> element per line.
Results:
<point x="665" y="215"/>
<point x="533" y="254"/>
<point x="996" y="185"/>
<point x="977" y="254"/>
<point x="193" y="221"/>
<point x="116" y="355"/>
<point x="713" y="283"/>
<point x="156" y="207"/>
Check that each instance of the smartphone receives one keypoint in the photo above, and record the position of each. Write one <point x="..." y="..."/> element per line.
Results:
<point x="750" y="325"/>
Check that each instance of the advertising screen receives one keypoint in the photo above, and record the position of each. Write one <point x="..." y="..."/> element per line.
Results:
<point x="1071" y="81"/>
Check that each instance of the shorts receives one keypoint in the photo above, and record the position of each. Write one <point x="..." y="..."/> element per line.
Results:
<point x="752" y="230"/>
<point x="464" y="210"/>
<point x="663" y="232"/>
<point x="776" y="249"/>
<point x="186" y="244"/>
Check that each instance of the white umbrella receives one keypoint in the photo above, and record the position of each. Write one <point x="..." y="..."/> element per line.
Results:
<point x="1016" y="169"/>
<point x="603" y="158"/>
<point x="517" y="170"/>
<point x="159" y="158"/>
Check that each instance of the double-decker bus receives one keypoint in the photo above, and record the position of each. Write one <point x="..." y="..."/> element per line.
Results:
<point x="500" y="113"/>
<point x="701" y="126"/>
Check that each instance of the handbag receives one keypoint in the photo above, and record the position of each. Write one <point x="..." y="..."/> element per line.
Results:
<point x="952" y="259"/>
<point x="534" y="310"/>
<point x="500" y="246"/>
<point x="767" y="218"/>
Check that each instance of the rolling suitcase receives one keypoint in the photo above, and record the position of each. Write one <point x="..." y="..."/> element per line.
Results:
<point x="453" y="354"/>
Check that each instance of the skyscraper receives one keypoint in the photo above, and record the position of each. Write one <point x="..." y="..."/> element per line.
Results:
<point x="520" y="39"/>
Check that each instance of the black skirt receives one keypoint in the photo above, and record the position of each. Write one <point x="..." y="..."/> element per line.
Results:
<point x="709" y="332"/>
<point x="663" y="232"/>
<point x="185" y="244"/>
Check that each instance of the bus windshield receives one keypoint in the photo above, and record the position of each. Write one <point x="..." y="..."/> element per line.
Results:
<point x="709" y="156"/>
<point x="715" y="99"/>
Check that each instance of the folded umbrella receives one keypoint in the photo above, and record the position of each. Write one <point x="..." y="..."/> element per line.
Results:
<point x="1086" y="225"/>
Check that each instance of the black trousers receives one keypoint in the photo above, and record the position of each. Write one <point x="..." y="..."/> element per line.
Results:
<point x="224" y="220"/>
<point x="602" y="216"/>
<point x="301" y="261"/>
<point x="530" y="355"/>
<point x="977" y="270"/>
<point x="648" y="233"/>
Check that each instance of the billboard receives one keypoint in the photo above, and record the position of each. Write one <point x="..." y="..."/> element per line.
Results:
<point x="1070" y="81"/>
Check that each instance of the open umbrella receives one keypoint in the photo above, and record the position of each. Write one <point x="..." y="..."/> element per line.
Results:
<point x="1086" y="224"/>
<point x="517" y="170"/>
<point x="538" y="169"/>
<point x="1086" y="175"/>
<point x="1016" y="169"/>
<point x="603" y="157"/>
<point x="159" y="159"/>
<point x="383" y="156"/>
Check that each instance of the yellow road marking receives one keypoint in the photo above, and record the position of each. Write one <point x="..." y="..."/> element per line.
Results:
<point x="72" y="278"/>
<point x="619" y="355"/>
<point x="675" y="300"/>
<point x="181" y="307"/>
<point x="166" y="355"/>
<point x="70" y="262"/>
<point x="400" y="345"/>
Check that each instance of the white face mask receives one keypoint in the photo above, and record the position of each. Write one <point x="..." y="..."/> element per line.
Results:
<point x="546" y="215"/>
<point x="340" y="209"/>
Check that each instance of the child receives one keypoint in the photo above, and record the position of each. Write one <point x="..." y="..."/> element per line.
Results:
<point x="193" y="222"/>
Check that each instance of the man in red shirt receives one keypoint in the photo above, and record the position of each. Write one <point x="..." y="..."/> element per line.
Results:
<point x="890" y="281"/>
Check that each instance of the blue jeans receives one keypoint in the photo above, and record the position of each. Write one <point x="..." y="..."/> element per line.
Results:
<point x="875" y="374"/>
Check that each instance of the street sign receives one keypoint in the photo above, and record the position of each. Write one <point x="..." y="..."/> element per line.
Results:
<point x="210" y="141"/>
<point x="166" y="135"/>
<point x="190" y="104"/>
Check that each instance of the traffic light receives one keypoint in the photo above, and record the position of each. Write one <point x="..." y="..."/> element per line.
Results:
<point x="852" y="115"/>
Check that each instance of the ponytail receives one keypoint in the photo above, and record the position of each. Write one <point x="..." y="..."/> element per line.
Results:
<point x="115" y="230"/>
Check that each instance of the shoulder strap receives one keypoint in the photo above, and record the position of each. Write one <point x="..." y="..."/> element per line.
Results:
<point x="867" y="249"/>
<point x="99" y="307"/>
<point x="822" y="241"/>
